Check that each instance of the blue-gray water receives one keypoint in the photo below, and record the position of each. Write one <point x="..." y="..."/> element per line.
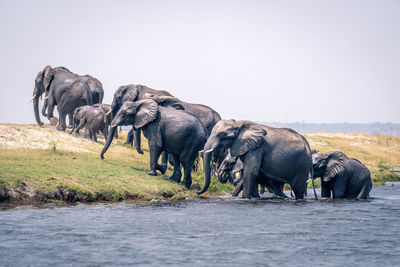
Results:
<point x="217" y="232"/>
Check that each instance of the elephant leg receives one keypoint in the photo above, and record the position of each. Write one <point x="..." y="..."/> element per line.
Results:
<point x="251" y="167"/>
<point x="80" y="126"/>
<point x="262" y="189"/>
<point x="176" y="176"/>
<point x="164" y="159"/>
<point x="137" y="140"/>
<point x="277" y="188"/>
<point x="93" y="133"/>
<point x="338" y="186"/>
<point x="364" y="193"/>
<point x="298" y="185"/>
<point x="238" y="188"/>
<point x="325" y="190"/>
<point x="71" y="122"/>
<point x="129" y="138"/>
<point x="61" y="123"/>
<point x="187" y="170"/>
<point x="50" y="108"/>
<point x="155" y="152"/>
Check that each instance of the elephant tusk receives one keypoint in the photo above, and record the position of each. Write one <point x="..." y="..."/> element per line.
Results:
<point x="109" y="112"/>
<point x="45" y="97"/>
<point x="114" y="125"/>
<point x="210" y="150"/>
<point x="201" y="151"/>
<point x="31" y="98"/>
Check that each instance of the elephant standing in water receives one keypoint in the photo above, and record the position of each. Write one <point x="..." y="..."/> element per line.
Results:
<point x="231" y="166"/>
<point x="63" y="89"/>
<point x="277" y="154"/>
<point x="175" y="131"/>
<point x="341" y="177"/>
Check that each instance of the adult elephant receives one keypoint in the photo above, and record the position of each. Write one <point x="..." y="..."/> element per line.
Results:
<point x="278" y="154"/>
<point x="341" y="177"/>
<point x="231" y="166"/>
<point x="208" y="116"/>
<point x="177" y="132"/>
<point x="133" y="92"/>
<point x="63" y="89"/>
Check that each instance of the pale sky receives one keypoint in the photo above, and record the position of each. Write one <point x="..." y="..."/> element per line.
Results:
<point x="284" y="61"/>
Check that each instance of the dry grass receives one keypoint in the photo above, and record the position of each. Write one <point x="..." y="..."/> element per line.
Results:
<point x="378" y="153"/>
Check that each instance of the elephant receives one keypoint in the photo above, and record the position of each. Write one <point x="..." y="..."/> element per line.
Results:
<point x="231" y="165"/>
<point x="208" y="116"/>
<point x="277" y="154"/>
<point x="79" y="120"/>
<point x="63" y="89"/>
<point x="132" y="92"/>
<point x="96" y="90"/>
<point x="93" y="118"/>
<point x="341" y="177"/>
<point x="175" y="131"/>
<point x="107" y="109"/>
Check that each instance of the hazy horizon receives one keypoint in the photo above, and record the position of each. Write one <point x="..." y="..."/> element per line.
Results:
<point x="272" y="61"/>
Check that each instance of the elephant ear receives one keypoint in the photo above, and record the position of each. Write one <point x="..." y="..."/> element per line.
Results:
<point x="335" y="163"/>
<point x="146" y="112"/>
<point x="129" y="93"/>
<point x="47" y="76"/>
<point x="249" y="137"/>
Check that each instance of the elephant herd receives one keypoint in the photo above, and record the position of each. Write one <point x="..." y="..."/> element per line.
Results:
<point x="245" y="153"/>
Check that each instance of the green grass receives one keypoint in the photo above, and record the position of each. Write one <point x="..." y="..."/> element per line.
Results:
<point x="122" y="175"/>
<point x="70" y="164"/>
<point x="378" y="153"/>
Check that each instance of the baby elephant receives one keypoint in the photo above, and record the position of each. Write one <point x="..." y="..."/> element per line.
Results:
<point x="93" y="118"/>
<point x="344" y="177"/>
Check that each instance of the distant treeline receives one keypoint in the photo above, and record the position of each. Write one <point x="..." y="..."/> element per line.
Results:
<point x="390" y="129"/>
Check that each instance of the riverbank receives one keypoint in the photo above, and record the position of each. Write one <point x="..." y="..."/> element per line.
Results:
<point x="41" y="164"/>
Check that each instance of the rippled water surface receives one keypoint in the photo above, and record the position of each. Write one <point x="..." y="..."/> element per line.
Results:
<point x="217" y="232"/>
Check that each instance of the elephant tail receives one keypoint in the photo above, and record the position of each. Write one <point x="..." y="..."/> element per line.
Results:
<point x="88" y="94"/>
<point x="312" y="181"/>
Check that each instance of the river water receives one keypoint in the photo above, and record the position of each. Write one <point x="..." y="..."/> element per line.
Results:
<point x="214" y="232"/>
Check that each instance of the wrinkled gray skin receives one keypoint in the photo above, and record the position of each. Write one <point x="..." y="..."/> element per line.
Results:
<point x="133" y="92"/>
<point x="232" y="165"/>
<point x="63" y="89"/>
<point x="175" y="131"/>
<point x="208" y="116"/>
<point x="106" y="108"/>
<point x="92" y="118"/>
<point x="96" y="90"/>
<point x="277" y="154"/>
<point x="341" y="177"/>
<point x="79" y="120"/>
<point x="205" y="114"/>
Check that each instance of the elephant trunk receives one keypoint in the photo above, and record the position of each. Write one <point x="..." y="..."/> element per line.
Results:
<point x="36" y="108"/>
<point x="223" y="177"/>
<point x="137" y="140"/>
<point x="207" y="171"/>
<point x="109" y="140"/>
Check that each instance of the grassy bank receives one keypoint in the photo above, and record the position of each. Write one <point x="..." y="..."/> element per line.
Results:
<point x="42" y="164"/>
<point x="378" y="153"/>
